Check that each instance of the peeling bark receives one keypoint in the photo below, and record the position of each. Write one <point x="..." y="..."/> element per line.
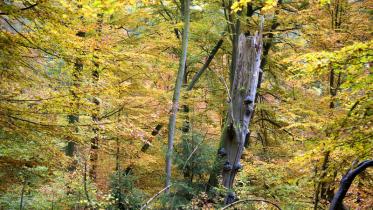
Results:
<point x="243" y="91"/>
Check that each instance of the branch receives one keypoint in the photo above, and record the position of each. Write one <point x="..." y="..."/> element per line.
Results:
<point x="352" y="108"/>
<point x="337" y="202"/>
<point x="206" y="65"/>
<point x="113" y="112"/>
<point x="152" y="198"/>
<point x="22" y="9"/>
<point x="15" y="30"/>
<point x="31" y="100"/>
<point x="221" y="78"/>
<point x="275" y="124"/>
<point x="56" y="125"/>
<point x="165" y="10"/>
<point x="29" y="7"/>
<point x="28" y="40"/>
<point x="248" y="200"/>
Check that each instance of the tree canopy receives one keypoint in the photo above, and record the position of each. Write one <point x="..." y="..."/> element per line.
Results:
<point x="90" y="91"/>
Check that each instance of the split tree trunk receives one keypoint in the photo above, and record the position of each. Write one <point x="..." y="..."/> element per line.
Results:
<point x="243" y="91"/>
<point x="176" y="96"/>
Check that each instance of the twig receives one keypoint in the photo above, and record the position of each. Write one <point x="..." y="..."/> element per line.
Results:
<point x="224" y="83"/>
<point x="194" y="150"/>
<point x="152" y="198"/>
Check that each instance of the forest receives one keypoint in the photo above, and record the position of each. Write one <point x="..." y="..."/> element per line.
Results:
<point x="186" y="104"/>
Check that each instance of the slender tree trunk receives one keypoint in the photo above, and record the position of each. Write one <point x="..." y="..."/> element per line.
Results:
<point x="73" y="118"/>
<point x="119" y="172"/>
<point x="155" y="132"/>
<point x="145" y="146"/>
<point x="96" y="111"/>
<point x="324" y="190"/>
<point x="320" y="186"/>
<point x="22" y="194"/>
<point x="117" y="154"/>
<point x="85" y="183"/>
<point x="176" y="96"/>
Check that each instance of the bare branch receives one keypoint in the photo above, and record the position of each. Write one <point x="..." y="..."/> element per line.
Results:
<point x="22" y="9"/>
<point x="155" y="196"/>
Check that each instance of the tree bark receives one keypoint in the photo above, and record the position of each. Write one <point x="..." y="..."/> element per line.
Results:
<point x="176" y="96"/>
<point x="235" y="40"/>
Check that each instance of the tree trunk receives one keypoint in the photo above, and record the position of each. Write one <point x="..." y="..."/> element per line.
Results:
<point x="176" y="96"/>
<point x="324" y="190"/>
<point x="96" y="110"/>
<point x="24" y="183"/>
<point x="119" y="173"/>
<point x="73" y="118"/>
<point x="85" y="183"/>
<point x="243" y="91"/>
<point x="236" y="72"/>
<point x="320" y="186"/>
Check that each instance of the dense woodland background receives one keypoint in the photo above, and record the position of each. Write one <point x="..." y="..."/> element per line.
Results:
<point x="86" y="92"/>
